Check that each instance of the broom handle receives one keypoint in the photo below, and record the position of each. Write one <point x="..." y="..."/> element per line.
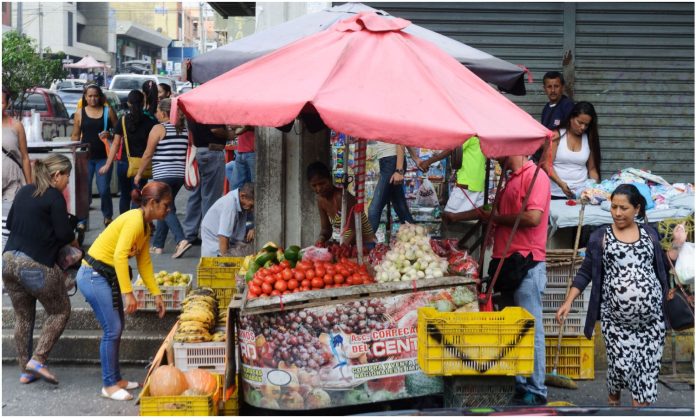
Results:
<point x="570" y="281"/>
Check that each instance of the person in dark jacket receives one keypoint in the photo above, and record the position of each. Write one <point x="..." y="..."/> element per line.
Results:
<point x="558" y="107"/>
<point x="626" y="266"/>
<point x="39" y="227"/>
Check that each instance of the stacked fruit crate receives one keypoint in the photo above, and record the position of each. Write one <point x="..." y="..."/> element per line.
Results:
<point x="576" y="359"/>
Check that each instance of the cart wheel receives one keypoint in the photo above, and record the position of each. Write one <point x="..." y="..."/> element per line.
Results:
<point x="478" y="391"/>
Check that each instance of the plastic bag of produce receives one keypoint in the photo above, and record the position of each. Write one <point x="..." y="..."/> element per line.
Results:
<point x="426" y="195"/>
<point x="685" y="264"/>
<point x="316" y="254"/>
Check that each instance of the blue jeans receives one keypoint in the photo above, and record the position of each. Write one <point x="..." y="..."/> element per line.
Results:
<point x="97" y="292"/>
<point x="244" y="169"/>
<point x="103" y="186"/>
<point x="211" y="169"/>
<point x="126" y="185"/>
<point x="229" y="170"/>
<point x="529" y="296"/>
<point x="170" y="222"/>
<point x="385" y="192"/>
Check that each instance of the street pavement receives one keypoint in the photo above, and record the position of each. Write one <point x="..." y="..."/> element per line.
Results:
<point x="78" y="393"/>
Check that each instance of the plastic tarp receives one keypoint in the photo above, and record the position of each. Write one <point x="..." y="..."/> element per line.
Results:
<point x="503" y="74"/>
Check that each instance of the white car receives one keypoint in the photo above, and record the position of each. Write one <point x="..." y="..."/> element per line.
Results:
<point x="68" y="83"/>
<point x="122" y="84"/>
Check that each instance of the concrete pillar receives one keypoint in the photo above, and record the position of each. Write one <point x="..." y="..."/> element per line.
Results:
<point x="285" y="209"/>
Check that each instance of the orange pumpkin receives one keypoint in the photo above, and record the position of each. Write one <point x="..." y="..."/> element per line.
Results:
<point x="200" y="382"/>
<point x="167" y="381"/>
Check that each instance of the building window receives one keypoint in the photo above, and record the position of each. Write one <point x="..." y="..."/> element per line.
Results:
<point x="70" y="29"/>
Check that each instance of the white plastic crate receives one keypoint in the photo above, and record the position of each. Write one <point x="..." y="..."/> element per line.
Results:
<point x="574" y="324"/>
<point x="557" y="276"/>
<point x="172" y="296"/>
<point x="555" y="296"/>
<point x="208" y="356"/>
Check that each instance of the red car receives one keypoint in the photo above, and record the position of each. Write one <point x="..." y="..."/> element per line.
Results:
<point x="54" y="115"/>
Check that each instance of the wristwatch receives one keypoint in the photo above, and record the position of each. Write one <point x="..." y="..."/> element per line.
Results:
<point x="400" y="171"/>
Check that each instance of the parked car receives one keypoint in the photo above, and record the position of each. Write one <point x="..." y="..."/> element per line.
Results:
<point x="69" y="83"/>
<point x="54" y="116"/>
<point x="115" y="103"/>
<point x="122" y="84"/>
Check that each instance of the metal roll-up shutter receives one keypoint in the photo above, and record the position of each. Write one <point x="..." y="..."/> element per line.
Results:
<point x="529" y="34"/>
<point x="635" y="63"/>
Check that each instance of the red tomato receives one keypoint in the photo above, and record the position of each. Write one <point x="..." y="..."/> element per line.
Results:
<point x="293" y="284"/>
<point x="281" y="286"/>
<point x="258" y="281"/>
<point x="286" y="292"/>
<point x="310" y="273"/>
<point x="330" y="269"/>
<point x="296" y="290"/>
<point x="306" y="283"/>
<point x="285" y="263"/>
<point x="255" y="289"/>
<point x="339" y="280"/>
<point x="302" y="265"/>
<point x="262" y="271"/>
<point x="349" y="281"/>
<point x="251" y="295"/>
<point x="269" y="279"/>
<point x="329" y="286"/>
<point x="317" y="283"/>
<point x="267" y="288"/>
<point x="357" y="279"/>
<point x="275" y="293"/>
<point x="287" y="274"/>
<point x="278" y="276"/>
<point x="320" y="271"/>
<point x="299" y="275"/>
<point x="305" y="288"/>
<point x="276" y="268"/>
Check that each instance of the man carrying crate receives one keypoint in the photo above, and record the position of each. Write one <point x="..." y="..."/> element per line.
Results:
<point x="522" y="278"/>
<point x="223" y="230"/>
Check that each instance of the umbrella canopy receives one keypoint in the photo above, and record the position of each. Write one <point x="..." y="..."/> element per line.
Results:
<point x="205" y="67"/>
<point x="87" y="62"/>
<point x="368" y="78"/>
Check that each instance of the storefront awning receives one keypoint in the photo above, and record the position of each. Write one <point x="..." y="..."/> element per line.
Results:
<point x="142" y="34"/>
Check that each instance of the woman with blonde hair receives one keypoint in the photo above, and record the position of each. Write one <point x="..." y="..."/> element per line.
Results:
<point x="39" y="227"/>
<point x="105" y="278"/>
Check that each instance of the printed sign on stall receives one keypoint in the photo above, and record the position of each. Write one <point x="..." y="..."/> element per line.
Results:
<point x="341" y="354"/>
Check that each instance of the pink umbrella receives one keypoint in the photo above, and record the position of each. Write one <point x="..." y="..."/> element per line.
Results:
<point x="368" y="78"/>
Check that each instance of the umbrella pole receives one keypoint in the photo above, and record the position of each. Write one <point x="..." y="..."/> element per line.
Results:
<point x="360" y="152"/>
<point x="344" y="213"/>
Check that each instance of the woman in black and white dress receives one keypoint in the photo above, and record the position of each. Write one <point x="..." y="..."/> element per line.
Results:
<point x="166" y="148"/>
<point x="626" y="266"/>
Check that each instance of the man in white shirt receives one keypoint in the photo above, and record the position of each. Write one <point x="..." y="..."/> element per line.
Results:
<point x="223" y="230"/>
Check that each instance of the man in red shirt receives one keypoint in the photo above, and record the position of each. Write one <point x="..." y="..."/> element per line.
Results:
<point x="529" y="242"/>
<point x="245" y="161"/>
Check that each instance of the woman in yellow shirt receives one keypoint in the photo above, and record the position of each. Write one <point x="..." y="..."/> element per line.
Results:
<point x="105" y="281"/>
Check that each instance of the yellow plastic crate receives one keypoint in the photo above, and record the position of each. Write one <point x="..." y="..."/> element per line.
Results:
<point x="576" y="359"/>
<point x="476" y="343"/>
<point x="224" y="296"/>
<point x="229" y="407"/>
<point x="218" y="272"/>
<point x="178" y="405"/>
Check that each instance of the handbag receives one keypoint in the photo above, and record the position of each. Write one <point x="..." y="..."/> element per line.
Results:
<point x="68" y="256"/>
<point x="191" y="176"/>
<point x="679" y="307"/>
<point x="134" y="162"/>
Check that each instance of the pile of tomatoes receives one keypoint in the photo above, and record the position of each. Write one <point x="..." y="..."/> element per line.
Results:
<point x="282" y="279"/>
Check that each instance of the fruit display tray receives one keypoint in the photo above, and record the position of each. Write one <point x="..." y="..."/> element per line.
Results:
<point x="171" y="295"/>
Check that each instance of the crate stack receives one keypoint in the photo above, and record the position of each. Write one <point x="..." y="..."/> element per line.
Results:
<point x="478" y="353"/>
<point x="576" y="359"/>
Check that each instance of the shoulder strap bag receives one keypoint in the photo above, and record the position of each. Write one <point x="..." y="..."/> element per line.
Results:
<point x="191" y="177"/>
<point x="134" y="162"/>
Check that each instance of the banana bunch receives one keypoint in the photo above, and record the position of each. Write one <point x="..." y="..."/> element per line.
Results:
<point x="219" y="336"/>
<point x="198" y="316"/>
